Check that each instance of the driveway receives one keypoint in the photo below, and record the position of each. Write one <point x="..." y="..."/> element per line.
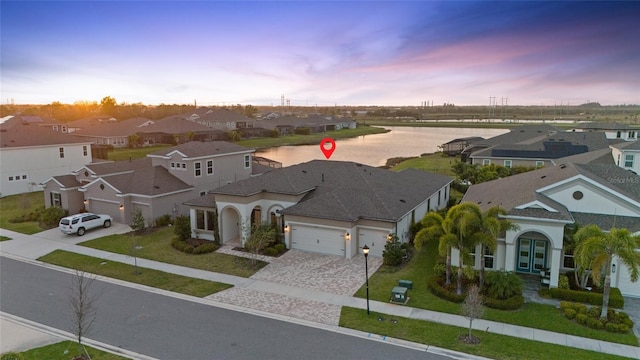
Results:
<point x="42" y="243"/>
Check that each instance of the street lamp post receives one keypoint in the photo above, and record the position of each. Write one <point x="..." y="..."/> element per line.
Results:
<point x="365" y="251"/>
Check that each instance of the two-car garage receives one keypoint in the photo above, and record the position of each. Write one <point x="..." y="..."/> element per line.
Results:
<point x="318" y="239"/>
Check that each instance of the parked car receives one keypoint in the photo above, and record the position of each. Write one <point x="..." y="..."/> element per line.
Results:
<point x="80" y="223"/>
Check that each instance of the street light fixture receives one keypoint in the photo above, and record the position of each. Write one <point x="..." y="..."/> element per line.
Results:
<point x="365" y="251"/>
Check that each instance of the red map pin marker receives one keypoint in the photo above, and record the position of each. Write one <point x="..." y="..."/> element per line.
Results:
<point x="327" y="151"/>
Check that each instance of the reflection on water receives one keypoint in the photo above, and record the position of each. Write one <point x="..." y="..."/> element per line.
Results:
<point x="374" y="150"/>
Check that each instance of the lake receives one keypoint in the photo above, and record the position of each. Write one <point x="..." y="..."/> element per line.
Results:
<point x="374" y="150"/>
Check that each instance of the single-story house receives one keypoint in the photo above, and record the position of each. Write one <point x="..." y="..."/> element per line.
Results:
<point x="329" y="207"/>
<point x="545" y="202"/>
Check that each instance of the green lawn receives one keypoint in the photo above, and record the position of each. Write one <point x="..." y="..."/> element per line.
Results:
<point x="493" y="346"/>
<point x="18" y="205"/>
<point x="154" y="278"/>
<point x="64" y="351"/>
<point x="262" y="143"/>
<point x="157" y="246"/>
<point x="532" y="315"/>
<point x="4" y="238"/>
<point x="436" y="163"/>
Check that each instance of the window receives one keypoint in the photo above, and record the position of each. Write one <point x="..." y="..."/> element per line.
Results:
<point x="471" y="261"/>
<point x="486" y="161"/>
<point x="628" y="161"/>
<point x="209" y="167"/>
<point x="578" y="195"/>
<point x="247" y="161"/>
<point x="24" y="177"/>
<point x="619" y="135"/>
<point x="203" y="193"/>
<point x="10" y="178"/>
<point x="197" y="169"/>
<point x="439" y="198"/>
<point x="61" y="153"/>
<point x="55" y="199"/>
<point x="173" y="165"/>
<point x="488" y="258"/>
<point x="184" y="166"/>
<point x="567" y="259"/>
<point x="539" y="164"/>
<point x="200" y="219"/>
<point x="211" y="218"/>
<point x="507" y="163"/>
<point x="85" y="151"/>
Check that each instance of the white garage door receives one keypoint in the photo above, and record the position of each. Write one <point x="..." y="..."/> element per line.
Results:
<point x="318" y="239"/>
<point x="627" y="288"/>
<point x="104" y="207"/>
<point x="374" y="239"/>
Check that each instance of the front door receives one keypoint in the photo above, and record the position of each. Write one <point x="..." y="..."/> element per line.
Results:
<point x="532" y="255"/>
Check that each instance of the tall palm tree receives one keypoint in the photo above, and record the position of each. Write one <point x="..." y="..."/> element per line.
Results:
<point x="436" y="228"/>
<point x="596" y="248"/>
<point x="493" y="227"/>
<point x="466" y="219"/>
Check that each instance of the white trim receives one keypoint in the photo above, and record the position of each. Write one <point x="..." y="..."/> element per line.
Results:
<point x="539" y="219"/>
<point x="84" y="188"/>
<point x="103" y="200"/>
<point x="591" y="182"/>
<point x="533" y="204"/>
<point x="153" y="196"/>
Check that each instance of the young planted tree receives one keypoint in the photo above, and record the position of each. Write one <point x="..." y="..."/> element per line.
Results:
<point x="596" y="249"/>
<point x="260" y="237"/>
<point x="83" y="308"/>
<point x="472" y="308"/>
<point x="137" y="225"/>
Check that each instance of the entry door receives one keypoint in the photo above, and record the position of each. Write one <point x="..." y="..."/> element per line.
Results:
<point x="532" y="255"/>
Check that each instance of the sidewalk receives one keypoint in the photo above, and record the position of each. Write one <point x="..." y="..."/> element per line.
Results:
<point x="318" y="303"/>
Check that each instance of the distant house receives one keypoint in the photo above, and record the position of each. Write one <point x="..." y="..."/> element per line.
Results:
<point x="156" y="185"/>
<point x="627" y="155"/>
<point x="315" y="123"/>
<point x="31" y="153"/>
<point x="328" y="207"/>
<point x="611" y="130"/>
<point x="456" y="146"/>
<point x="546" y="202"/>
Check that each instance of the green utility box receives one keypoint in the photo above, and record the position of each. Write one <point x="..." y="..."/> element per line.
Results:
<point x="399" y="295"/>
<point x="406" y="283"/>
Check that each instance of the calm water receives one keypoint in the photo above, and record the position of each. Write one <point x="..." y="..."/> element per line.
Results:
<point x="374" y="150"/>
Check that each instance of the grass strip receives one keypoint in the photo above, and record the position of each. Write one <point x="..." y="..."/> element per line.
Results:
<point x="149" y="277"/>
<point x="156" y="246"/>
<point x="493" y="346"/>
<point x="63" y="351"/>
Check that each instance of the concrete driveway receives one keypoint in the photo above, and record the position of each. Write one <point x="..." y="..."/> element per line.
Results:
<point x="42" y="243"/>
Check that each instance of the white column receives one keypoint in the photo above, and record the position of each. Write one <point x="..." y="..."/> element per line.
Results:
<point x="510" y="257"/>
<point x="555" y="262"/>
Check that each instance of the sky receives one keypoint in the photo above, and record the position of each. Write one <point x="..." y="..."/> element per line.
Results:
<point x="321" y="53"/>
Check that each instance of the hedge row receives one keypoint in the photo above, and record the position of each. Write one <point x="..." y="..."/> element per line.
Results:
<point x="615" y="297"/>
<point x="186" y="248"/>
<point x="616" y="322"/>
<point x="442" y="293"/>
<point x="512" y="303"/>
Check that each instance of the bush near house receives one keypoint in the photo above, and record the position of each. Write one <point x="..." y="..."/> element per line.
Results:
<point x="616" y="321"/>
<point x="615" y="297"/>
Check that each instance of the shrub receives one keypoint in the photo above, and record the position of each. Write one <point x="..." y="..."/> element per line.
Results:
<point x="205" y="248"/>
<point x="303" y="131"/>
<point x="622" y="318"/>
<point x="271" y="251"/>
<point x="393" y="253"/>
<point x="182" y="228"/>
<point x="595" y="323"/>
<point x="443" y="293"/>
<point x="440" y="270"/>
<point x="11" y="356"/>
<point x="164" y="220"/>
<point x="503" y="284"/>
<point x="50" y="217"/>
<point x="280" y="248"/>
<point x="615" y="298"/>
<point x="611" y="327"/>
<point x="182" y="246"/>
<point x="594" y="312"/>
<point x="274" y="133"/>
<point x="563" y="282"/>
<point x="581" y="319"/>
<point x="570" y="313"/>
<point x="623" y="328"/>
<point x="512" y="303"/>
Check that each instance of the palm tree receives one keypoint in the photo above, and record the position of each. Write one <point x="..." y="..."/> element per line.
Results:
<point x="466" y="219"/>
<point x="596" y="248"/>
<point x="436" y="228"/>
<point x="493" y="227"/>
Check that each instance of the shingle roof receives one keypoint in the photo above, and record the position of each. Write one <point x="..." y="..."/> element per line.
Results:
<point x="601" y="156"/>
<point x="150" y="181"/>
<point x="627" y="145"/>
<point x="195" y="149"/>
<point x="22" y="135"/>
<point x="115" y="167"/>
<point x="613" y="176"/>
<point x="207" y="200"/>
<point x="607" y="222"/>
<point x="344" y="190"/>
<point x="67" y="181"/>
<point x="109" y="128"/>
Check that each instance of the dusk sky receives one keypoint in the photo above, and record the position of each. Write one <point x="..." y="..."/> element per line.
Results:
<point x="320" y="52"/>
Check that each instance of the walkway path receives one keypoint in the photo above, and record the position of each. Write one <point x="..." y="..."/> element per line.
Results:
<point x="277" y="291"/>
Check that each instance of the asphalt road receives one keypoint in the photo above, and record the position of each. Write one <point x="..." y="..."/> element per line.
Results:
<point x="165" y="327"/>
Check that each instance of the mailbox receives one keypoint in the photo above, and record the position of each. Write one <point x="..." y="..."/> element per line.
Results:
<point x="399" y="294"/>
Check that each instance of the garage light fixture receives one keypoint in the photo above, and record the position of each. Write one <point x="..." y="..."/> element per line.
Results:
<point x="86" y="201"/>
<point x="286" y="228"/>
<point x="347" y="236"/>
<point x="121" y="207"/>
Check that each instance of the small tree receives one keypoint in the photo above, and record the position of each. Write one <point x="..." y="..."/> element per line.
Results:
<point x="261" y="236"/>
<point x="392" y="254"/>
<point x="182" y="228"/>
<point x="83" y="308"/>
<point x="472" y="307"/>
<point x="137" y="225"/>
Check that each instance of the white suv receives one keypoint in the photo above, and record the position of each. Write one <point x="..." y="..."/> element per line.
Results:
<point x="80" y="223"/>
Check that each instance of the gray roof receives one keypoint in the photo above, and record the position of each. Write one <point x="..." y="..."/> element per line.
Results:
<point x="601" y="156"/>
<point x="615" y="177"/>
<point x="207" y="200"/>
<point x="196" y="149"/>
<point x="23" y="135"/>
<point x="67" y="181"/>
<point x="627" y="145"/>
<point x="116" y="167"/>
<point x="344" y="190"/>
<point x="150" y="181"/>
<point x="607" y="222"/>
<point x="519" y="134"/>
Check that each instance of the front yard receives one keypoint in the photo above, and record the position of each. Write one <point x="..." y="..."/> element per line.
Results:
<point x="538" y="316"/>
<point x="156" y="246"/>
<point x="19" y="206"/>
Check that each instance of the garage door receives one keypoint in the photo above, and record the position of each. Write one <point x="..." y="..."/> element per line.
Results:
<point x="374" y="239"/>
<point x="318" y="239"/>
<point x="627" y="288"/>
<point x="104" y="207"/>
